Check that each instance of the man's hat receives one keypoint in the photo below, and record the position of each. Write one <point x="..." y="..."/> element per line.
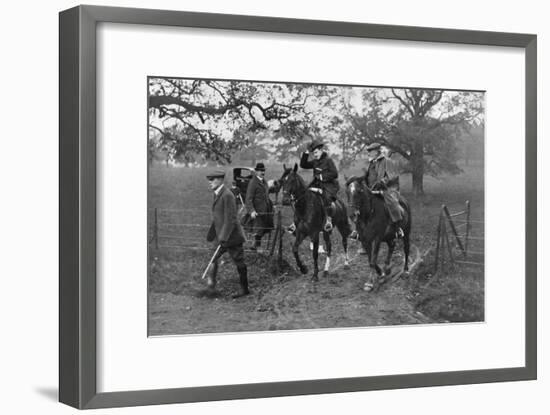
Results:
<point x="315" y="144"/>
<point x="259" y="167"/>
<point x="216" y="174"/>
<point x="374" y="146"/>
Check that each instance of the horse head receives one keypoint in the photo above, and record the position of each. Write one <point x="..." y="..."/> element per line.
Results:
<point x="292" y="184"/>
<point x="359" y="196"/>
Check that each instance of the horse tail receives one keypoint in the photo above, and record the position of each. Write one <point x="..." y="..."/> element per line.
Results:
<point x="408" y="214"/>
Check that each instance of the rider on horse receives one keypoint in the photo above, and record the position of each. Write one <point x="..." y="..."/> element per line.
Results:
<point x="381" y="175"/>
<point x="325" y="178"/>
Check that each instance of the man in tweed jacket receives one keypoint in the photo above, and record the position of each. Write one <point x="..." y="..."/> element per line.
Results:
<point x="226" y="231"/>
<point x="382" y="175"/>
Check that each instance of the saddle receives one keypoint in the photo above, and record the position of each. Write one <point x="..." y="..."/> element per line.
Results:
<point x="335" y="205"/>
<point x="401" y="210"/>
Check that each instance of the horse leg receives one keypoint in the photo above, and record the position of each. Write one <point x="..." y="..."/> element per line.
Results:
<point x="295" y="250"/>
<point x="368" y="248"/>
<point x="328" y="245"/>
<point x="373" y="257"/>
<point x="315" y="276"/>
<point x="406" y="248"/>
<point x="391" y="247"/>
<point x="345" y="245"/>
<point x="373" y="263"/>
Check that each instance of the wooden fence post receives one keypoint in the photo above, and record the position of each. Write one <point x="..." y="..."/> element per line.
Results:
<point x="438" y="241"/>
<point x="280" y="221"/>
<point x="443" y="241"/>
<point x="467" y="228"/>
<point x="458" y="241"/>
<point x="156" y="230"/>
<point x="275" y="235"/>
<point x="447" y="242"/>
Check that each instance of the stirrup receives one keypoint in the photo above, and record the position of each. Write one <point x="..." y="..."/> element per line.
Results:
<point x="354" y="235"/>
<point x="291" y="228"/>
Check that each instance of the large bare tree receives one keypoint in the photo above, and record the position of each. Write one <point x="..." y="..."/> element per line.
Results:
<point x="421" y="125"/>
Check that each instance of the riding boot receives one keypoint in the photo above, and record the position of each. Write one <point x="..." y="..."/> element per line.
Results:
<point x="257" y="241"/>
<point x="212" y="276"/>
<point x="243" y="279"/>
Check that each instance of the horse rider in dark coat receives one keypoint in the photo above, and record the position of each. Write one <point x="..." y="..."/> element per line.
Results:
<point x="258" y="205"/>
<point x="325" y="178"/>
<point x="226" y="231"/>
<point x="382" y="175"/>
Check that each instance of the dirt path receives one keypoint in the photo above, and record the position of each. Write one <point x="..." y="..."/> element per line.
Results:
<point x="285" y="302"/>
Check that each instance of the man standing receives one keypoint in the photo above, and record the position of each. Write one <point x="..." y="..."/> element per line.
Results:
<point x="258" y="205"/>
<point x="226" y="231"/>
<point x="382" y="175"/>
<point x="325" y="177"/>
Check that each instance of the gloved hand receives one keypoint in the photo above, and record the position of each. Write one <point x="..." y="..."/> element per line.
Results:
<point x="223" y="244"/>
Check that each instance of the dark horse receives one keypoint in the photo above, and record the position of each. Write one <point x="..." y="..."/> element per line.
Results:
<point x="374" y="227"/>
<point x="309" y="217"/>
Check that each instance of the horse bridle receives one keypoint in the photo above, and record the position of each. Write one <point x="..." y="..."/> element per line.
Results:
<point x="293" y="198"/>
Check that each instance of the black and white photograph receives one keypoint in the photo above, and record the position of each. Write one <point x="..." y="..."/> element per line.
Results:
<point x="298" y="206"/>
<point x="248" y="207"/>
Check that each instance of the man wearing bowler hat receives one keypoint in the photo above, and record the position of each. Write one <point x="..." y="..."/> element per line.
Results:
<point x="325" y="177"/>
<point x="382" y="175"/>
<point x="226" y="231"/>
<point x="258" y="205"/>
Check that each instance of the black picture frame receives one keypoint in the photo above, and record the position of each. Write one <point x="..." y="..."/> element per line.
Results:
<point x="77" y="205"/>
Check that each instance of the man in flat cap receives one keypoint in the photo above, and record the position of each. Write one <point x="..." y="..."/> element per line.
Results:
<point x="226" y="231"/>
<point x="258" y="205"/>
<point x="325" y="177"/>
<point x="381" y="174"/>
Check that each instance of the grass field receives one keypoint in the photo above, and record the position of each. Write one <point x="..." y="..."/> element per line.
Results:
<point x="288" y="300"/>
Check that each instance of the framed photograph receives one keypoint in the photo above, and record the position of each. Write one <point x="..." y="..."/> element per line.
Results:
<point x="257" y="207"/>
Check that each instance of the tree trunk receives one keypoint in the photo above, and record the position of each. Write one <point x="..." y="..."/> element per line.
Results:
<point x="417" y="180"/>
<point x="418" y="170"/>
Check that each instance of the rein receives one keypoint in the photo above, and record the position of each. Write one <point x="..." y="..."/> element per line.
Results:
<point x="293" y="198"/>
<point x="365" y="194"/>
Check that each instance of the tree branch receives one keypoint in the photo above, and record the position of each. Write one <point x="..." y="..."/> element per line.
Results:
<point x="409" y="109"/>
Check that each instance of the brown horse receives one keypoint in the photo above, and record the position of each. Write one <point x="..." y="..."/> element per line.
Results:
<point x="374" y="227"/>
<point x="309" y="217"/>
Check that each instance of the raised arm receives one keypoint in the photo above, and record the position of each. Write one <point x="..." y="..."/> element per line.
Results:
<point x="304" y="162"/>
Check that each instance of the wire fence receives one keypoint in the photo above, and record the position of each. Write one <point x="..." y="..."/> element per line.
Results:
<point x="460" y="238"/>
<point x="182" y="230"/>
